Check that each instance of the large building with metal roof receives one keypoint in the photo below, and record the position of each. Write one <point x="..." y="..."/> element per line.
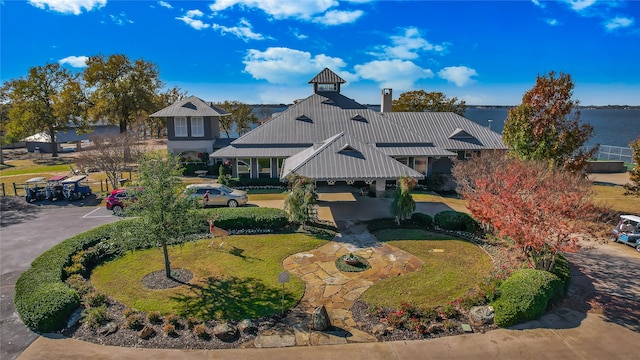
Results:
<point x="330" y="137"/>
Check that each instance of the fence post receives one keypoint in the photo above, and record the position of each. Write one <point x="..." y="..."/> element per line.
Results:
<point x="3" y="193"/>
<point x="15" y="191"/>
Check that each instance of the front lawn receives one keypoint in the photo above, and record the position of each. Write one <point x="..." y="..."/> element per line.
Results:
<point x="613" y="197"/>
<point x="451" y="268"/>
<point x="235" y="280"/>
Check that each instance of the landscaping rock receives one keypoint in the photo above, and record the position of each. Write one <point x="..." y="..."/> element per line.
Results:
<point x="74" y="318"/>
<point x="225" y="332"/>
<point x="435" y="328"/>
<point x="110" y="328"/>
<point x="247" y="326"/>
<point x="481" y="315"/>
<point x="320" y="319"/>
<point x="379" y="330"/>
<point x="146" y="332"/>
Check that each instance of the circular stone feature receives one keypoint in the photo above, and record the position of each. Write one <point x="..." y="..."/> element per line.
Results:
<point x="361" y="265"/>
<point x="158" y="280"/>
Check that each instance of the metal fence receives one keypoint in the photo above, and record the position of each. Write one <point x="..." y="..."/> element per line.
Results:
<point x="616" y="153"/>
<point x="18" y="189"/>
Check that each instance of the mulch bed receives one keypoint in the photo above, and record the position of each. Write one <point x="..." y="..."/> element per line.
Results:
<point x="157" y="279"/>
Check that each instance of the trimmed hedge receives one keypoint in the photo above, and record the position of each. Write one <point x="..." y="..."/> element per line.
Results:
<point x="422" y="219"/>
<point x="563" y="272"/>
<point x="455" y="220"/>
<point x="45" y="302"/>
<point x="42" y="299"/>
<point x="242" y="218"/>
<point x="525" y="296"/>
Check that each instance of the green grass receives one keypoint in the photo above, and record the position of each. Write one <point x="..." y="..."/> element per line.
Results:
<point x="235" y="281"/>
<point x="613" y="197"/>
<point x="444" y="277"/>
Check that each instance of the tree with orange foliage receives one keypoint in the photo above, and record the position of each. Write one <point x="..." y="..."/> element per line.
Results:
<point x="543" y="210"/>
<point x="546" y="126"/>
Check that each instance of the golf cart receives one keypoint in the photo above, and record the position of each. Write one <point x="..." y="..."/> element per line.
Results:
<point x="55" y="189"/>
<point x="627" y="231"/>
<point x="34" y="189"/>
<point x="76" y="187"/>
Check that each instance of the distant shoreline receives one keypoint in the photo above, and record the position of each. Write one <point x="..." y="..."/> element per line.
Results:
<point x="581" y="107"/>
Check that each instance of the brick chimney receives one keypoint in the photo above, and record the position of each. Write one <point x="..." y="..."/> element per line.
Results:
<point x="385" y="104"/>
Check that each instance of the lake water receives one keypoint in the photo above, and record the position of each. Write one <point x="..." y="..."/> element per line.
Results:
<point x="614" y="127"/>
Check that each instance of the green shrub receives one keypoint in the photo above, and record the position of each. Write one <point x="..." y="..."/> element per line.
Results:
<point x="201" y="332"/>
<point x="244" y="218"/>
<point x="421" y="219"/>
<point x="172" y="319"/>
<point x="455" y="220"/>
<point x="41" y="297"/>
<point x="525" y="296"/>
<point x="433" y="182"/>
<point x="154" y="317"/>
<point x="135" y="321"/>
<point x="94" y="299"/>
<point x="246" y="182"/>
<point x="94" y="317"/>
<point x="563" y="272"/>
<point x="79" y="284"/>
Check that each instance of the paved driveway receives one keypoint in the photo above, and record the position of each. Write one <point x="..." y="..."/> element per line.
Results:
<point x="25" y="233"/>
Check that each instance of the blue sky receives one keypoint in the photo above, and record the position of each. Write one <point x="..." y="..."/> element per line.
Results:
<point x="265" y="51"/>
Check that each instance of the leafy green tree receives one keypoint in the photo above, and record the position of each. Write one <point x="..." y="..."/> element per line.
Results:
<point x="546" y="126"/>
<point x="50" y="98"/>
<point x="241" y="116"/>
<point x="166" y="214"/>
<point x="122" y="90"/>
<point x="403" y="204"/>
<point x="420" y="100"/>
<point x="302" y="198"/>
<point x="633" y="188"/>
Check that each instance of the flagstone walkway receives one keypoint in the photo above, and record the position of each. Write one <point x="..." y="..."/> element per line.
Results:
<point x="336" y="290"/>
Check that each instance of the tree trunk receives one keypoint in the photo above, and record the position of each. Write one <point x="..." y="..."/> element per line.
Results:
<point x="54" y="146"/>
<point x="167" y="263"/>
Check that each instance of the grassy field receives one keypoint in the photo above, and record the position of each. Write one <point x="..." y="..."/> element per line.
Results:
<point x="449" y="272"/>
<point x="235" y="281"/>
<point x="613" y="197"/>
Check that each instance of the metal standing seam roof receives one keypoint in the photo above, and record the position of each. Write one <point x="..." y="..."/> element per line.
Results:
<point x="327" y="76"/>
<point x="343" y="157"/>
<point x="191" y="106"/>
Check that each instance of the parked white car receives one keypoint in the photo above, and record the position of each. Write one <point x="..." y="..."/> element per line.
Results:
<point x="218" y="195"/>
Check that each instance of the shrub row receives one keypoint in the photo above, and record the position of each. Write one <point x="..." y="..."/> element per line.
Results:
<point x="242" y="218"/>
<point x="525" y="296"/>
<point x="45" y="302"/>
<point x="42" y="299"/>
<point x="455" y="220"/>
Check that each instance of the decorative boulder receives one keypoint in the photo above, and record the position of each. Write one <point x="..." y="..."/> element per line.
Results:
<point x="225" y="332"/>
<point x="74" y="318"/>
<point x="146" y="332"/>
<point x="247" y="326"/>
<point x="320" y="319"/>
<point x="110" y="328"/>
<point x="481" y="315"/>
<point x="379" y="330"/>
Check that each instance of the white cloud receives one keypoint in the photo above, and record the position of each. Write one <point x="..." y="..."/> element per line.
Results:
<point x="120" y="19"/>
<point x="165" y="4"/>
<point x="190" y="19"/>
<point x="74" y="61"/>
<point x="552" y="22"/>
<point x="538" y="3"/>
<point x="280" y="9"/>
<point x="338" y="17"/>
<point x="459" y="75"/>
<point x="579" y="5"/>
<point x="297" y="34"/>
<point x="69" y="6"/>
<point x="243" y="30"/>
<point x="396" y="74"/>
<point x="618" y="22"/>
<point x="407" y="45"/>
<point x="280" y="65"/>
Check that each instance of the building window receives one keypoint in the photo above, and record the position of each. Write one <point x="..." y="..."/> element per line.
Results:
<point x="197" y="126"/>
<point x="180" y="126"/>
<point x="327" y="87"/>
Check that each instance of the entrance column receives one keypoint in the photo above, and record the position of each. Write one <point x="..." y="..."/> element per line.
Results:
<point x="381" y="187"/>
<point x="274" y="168"/>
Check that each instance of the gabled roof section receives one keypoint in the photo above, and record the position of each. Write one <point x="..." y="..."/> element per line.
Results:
<point x="343" y="154"/>
<point x="327" y="76"/>
<point x="461" y="134"/>
<point x="191" y="106"/>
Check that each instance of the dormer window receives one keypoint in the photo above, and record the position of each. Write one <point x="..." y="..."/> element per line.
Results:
<point x="328" y="87"/>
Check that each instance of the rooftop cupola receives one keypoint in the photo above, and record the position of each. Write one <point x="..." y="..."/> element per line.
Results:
<point x="326" y="80"/>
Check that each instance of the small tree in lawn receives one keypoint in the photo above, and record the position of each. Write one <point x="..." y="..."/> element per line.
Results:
<point x="302" y="199"/>
<point x="108" y="154"/>
<point x="633" y="188"/>
<point x="543" y="210"/>
<point x="167" y="215"/>
<point x="403" y="204"/>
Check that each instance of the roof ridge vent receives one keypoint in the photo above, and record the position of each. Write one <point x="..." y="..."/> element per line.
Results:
<point x="358" y="117"/>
